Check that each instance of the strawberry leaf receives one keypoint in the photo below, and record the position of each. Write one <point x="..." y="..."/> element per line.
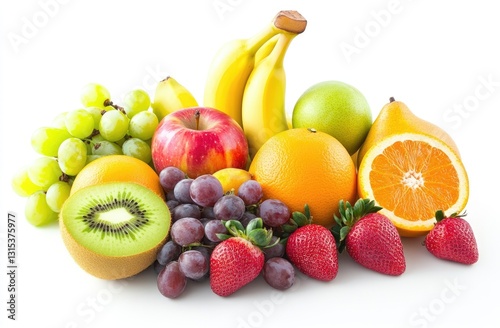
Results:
<point x="300" y="219"/>
<point x="259" y="237"/>
<point x="255" y="223"/>
<point x="223" y="236"/>
<point x="439" y="215"/>
<point x="307" y="212"/>
<point x="344" y="231"/>
<point x="234" y="227"/>
<point x="289" y="227"/>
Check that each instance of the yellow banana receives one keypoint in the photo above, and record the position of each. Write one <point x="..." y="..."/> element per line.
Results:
<point x="266" y="49"/>
<point x="170" y="96"/>
<point x="263" y="105"/>
<point x="233" y="63"/>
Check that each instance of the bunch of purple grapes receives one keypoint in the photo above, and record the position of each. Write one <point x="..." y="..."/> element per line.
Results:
<point x="198" y="210"/>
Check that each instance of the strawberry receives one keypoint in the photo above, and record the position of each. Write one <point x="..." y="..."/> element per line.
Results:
<point x="370" y="238"/>
<point x="311" y="248"/>
<point x="452" y="239"/>
<point x="238" y="259"/>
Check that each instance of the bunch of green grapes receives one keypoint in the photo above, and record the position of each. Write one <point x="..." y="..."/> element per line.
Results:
<point x="76" y="138"/>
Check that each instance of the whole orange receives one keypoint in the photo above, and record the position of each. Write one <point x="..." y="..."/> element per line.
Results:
<point x="118" y="168"/>
<point x="304" y="166"/>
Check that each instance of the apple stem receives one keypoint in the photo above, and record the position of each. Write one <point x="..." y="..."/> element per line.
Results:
<point x="197" y="117"/>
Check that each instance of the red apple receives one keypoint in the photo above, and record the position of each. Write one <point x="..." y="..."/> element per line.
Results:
<point x="199" y="140"/>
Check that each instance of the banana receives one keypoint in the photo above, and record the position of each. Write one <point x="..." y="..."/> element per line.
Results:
<point x="263" y="104"/>
<point x="234" y="62"/>
<point x="170" y="96"/>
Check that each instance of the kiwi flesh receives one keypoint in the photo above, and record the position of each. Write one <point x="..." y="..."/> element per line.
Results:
<point x="114" y="230"/>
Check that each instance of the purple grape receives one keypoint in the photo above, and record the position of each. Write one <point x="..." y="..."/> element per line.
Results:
<point x="277" y="250"/>
<point x="193" y="264"/>
<point x="157" y="267"/>
<point x="171" y="281"/>
<point x="169" y="177"/>
<point x="208" y="212"/>
<point x="205" y="221"/>
<point x="279" y="273"/>
<point x="170" y="195"/>
<point x="206" y="251"/>
<point x="169" y="252"/>
<point x="229" y="207"/>
<point x="214" y="227"/>
<point x="187" y="231"/>
<point x="186" y="211"/>
<point x="172" y="203"/>
<point x="206" y="190"/>
<point x="247" y="217"/>
<point x="274" y="212"/>
<point x="251" y="192"/>
<point x="181" y="191"/>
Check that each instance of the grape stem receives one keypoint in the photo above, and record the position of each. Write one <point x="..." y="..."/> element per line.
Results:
<point x="64" y="177"/>
<point x="94" y="133"/>
<point x="108" y="102"/>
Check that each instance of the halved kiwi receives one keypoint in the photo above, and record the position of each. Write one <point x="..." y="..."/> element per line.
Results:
<point x="114" y="230"/>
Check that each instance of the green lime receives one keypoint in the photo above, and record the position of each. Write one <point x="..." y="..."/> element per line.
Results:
<point x="336" y="108"/>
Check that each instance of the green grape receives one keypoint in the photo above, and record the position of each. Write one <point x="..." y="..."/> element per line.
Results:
<point x="97" y="138"/>
<point x="94" y="95"/>
<point x="103" y="148"/>
<point x="91" y="158"/>
<point x="22" y="184"/>
<point x="37" y="211"/>
<point x="46" y="141"/>
<point x="137" y="148"/>
<point x="44" y="171"/>
<point x="96" y="115"/>
<point x="79" y="123"/>
<point x="59" y="121"/>
<point x="113" y="125"/>
<point x="143" y="125"/>
<point x="88" y="145"/>
<point x="92" y="141"/>
<point x="136" y="101"/>
<point x="122" y="140"/>
<point x="72" y="156"/>
<point x="57" y="194"/>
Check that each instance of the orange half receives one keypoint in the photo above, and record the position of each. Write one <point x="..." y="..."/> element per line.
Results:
<point x="411" y="176"/>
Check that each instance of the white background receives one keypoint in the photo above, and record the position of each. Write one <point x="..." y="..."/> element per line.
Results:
<point x="440" y="58"/>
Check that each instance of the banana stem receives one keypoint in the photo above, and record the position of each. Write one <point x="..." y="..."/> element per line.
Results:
<point x="258" y="40"/>
<point x="291" y="21"/>
<point x="281" y="47"/>
<point x="286" y="21"/>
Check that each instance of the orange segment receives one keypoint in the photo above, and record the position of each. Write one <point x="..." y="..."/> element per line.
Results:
<point x="411" y="176"/>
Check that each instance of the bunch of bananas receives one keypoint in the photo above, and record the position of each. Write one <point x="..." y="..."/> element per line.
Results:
<point x="246" y="80"/>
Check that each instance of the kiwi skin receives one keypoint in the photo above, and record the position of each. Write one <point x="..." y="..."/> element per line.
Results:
<point x="110" y="267"/>
<point x="107" y="267"/>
